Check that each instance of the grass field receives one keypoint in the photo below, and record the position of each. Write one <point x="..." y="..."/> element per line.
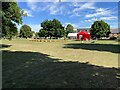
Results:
<point x="60" y="64"/>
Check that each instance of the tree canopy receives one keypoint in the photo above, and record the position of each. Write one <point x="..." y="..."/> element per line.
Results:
<point x="70" y="28"/>
<point x="11" y="14"/>
<point x="26" y="32"/>
<point x="51" y="28"/>
<point x="100" y="29"/>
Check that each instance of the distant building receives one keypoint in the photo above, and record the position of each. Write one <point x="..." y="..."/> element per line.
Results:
<point x="113" y="30"/>
<point x="85" y="29"/>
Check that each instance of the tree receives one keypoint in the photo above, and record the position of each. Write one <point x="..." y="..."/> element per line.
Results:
<point x="52" y="28"/>
<point x="10" y="32"/>
<point x="26" y="32"/>
<point x="11" y="14"/>
<point x="58" y="28"/>
<point x="36" y="34"/>
<point x="42" y="33"/>
<point x="100" y="29"/>
<point x="69" y="29"/>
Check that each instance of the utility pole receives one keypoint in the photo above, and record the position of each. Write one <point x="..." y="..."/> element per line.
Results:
<point x="59" y="0"/>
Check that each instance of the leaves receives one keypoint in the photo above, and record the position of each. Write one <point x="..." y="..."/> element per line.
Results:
<point x="11" y="14"/>
<point x="26" y="32"/>
<point x="70" y="28"/>
<point x="100" y="29"/>
<point x="51" y="28"/>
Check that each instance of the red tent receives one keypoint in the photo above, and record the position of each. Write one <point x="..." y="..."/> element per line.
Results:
<point x="84" y="34"/>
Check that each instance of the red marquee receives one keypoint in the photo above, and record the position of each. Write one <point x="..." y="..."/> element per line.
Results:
<point x="84" y="34"/>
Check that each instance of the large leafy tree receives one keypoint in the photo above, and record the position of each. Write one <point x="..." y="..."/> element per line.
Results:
<point x="51" y="28"/>
<point x="26" y="32"/>
<point x="58" y="28"/>
<point x="11" y="14"/>
<point x="69" y="29"/>
<point x="100" y="29"/>
<point x="42" y="33"/>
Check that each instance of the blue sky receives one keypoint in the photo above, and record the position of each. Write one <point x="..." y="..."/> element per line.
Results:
<point x="79" y="14"/>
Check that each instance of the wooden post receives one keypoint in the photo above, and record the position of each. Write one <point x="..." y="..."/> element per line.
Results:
<point x="59" y="0"/>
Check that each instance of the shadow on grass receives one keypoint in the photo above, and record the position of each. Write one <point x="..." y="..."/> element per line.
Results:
<point x="4" y="46"/>
<point x="37" y="70"/>
<point x="114" y="48"/>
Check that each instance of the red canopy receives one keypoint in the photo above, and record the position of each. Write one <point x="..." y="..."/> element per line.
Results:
<point x="84" y="34"/>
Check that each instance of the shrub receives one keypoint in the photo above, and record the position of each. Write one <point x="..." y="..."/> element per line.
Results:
<point x="113" y="38"/>
<point x="93" y="42"/>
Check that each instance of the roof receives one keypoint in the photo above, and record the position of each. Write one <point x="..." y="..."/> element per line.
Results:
<point x="82" y="32"/>
<point x="115" y="30"/>
<point x="83" y="28"/>
<point x="72" y="34"/>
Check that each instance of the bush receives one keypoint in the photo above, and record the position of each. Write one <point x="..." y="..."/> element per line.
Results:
<point x="118" y="39"/>
<point x="93" y="42"/>
<point x="113" y="38"/>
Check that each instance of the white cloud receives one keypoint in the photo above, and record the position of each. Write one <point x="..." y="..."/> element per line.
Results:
<point x="101" y="18"/>
<point x="74" y="25"/>
<point x="42" y="0"/>
<point x="80" y="7"/>
<point x="78" y="0"/>
<point x="109" y="18"/>
<point x="32" y="5"/>
<point x="100" y="12"/>
<point x="52" y="7"/>
<point x="75" y="4"/>
<point x="75" y="14"/>
<point x="35" y="6"/>
<point x="56" y="8"/>
<point x="91" y="20"/>
<point x="28" y="12"/>
<point x="19" y="26"/>
<point x="66" y="0"/>
<point x="35" y="27"/>
<point x="88" y="5"/>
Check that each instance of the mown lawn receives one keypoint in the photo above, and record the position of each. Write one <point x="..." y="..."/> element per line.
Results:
<point x="30" y="64"/>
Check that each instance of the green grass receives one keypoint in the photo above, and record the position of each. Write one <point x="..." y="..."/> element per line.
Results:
<point x="29" y="64"/>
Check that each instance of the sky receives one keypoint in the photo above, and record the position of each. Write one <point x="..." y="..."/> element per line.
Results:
<point x="79" y="14"/>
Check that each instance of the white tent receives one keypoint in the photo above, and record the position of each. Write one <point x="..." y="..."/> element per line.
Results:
<point x="72" y="35"/>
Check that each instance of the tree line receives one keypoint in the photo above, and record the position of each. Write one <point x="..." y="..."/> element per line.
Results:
<point x="12" y="15"/>
<point x="54" y="28"/>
